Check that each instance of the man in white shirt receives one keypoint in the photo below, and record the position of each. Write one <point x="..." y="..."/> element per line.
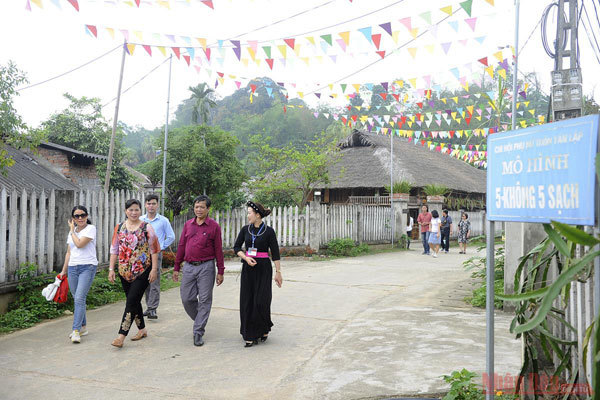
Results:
<point x="166" y="236"/>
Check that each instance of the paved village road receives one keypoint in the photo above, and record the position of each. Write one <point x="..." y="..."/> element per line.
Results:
<point x="366" y="327"/>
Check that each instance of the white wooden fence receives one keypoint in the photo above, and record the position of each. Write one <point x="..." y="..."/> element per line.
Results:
<point x="352" y="221"/>
<point x="26" y="231"/>
<point x="290" y="224"/>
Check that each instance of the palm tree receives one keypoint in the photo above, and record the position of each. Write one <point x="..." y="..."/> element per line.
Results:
<point x="202" y="96"/>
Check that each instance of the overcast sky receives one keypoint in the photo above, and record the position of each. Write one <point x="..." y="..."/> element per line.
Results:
<point x="49" y="41"/>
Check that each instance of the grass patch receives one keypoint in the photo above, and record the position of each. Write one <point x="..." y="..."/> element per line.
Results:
<point x="31" y="307"/>
<point x="477" y="266"/>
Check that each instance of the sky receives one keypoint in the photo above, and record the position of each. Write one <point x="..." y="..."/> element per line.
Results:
<point x="427" y="45"/>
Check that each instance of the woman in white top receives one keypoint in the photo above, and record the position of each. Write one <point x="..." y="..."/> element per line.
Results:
<point x="81" y="264"/>
<point x="409" y="226"/>
<point x="435" y="234"/>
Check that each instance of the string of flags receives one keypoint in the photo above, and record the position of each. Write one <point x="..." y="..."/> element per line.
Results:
<point x="167" y="4"/>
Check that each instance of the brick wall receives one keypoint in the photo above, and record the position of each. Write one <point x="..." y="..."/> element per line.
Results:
<point x="82" y="175"/>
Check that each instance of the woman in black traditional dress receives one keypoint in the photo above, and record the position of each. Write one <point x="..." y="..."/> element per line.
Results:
<point x="257" y="272"/>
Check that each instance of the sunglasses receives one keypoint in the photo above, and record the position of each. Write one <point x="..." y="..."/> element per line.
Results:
<point x="79" y="216"/>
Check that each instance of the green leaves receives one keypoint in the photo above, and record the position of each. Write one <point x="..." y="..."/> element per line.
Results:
<point x="575" y="235"/>
<point x="560" y="244"/>
<point x="554" y="290"/>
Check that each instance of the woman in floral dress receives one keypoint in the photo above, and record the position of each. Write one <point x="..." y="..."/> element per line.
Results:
<point x="464" y="231"/>
<point x="135" y="247"/>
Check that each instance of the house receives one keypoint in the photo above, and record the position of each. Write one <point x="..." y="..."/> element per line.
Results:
<point x="363" y="170"/>
<point x="29" y="173"/>
<point x="77" y="166"/>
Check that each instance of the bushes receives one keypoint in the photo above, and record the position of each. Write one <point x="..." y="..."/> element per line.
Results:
<point x="31" y="307"/>
<point x="346" y="248"/>
<point x="477" y="266"/>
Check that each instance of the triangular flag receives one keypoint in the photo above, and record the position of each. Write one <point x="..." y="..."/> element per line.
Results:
<point x="208" y="3"/>
<point x="202" y="42"/>
<point x="381" y="53"/>
<point x="471" y="22"/>
<point x="376" y="39"/>
<point x="187" y="59"/>
<point x="176" y="51"/>
<point x="447" y="10"/>
<point x="412" y="51"/>
<point x="366" y="32"/>
<point x="484" y="61"/>
<point x="466" y="5"/>
<point x="75" y="4"/>
<point x="93" y="30"/>
<point x="426" y="17"/>
<point x="290" y="42"/>
<point x="282" y="50"/>
<point x="446" y="47"/>
<point x="147" y="48"/>
<point x="406" y="22"/>
<point x="130" y="48"/>
<point x="270" y="62"/>
<point x="267" y="50"/>
<point x="387" y="27"/>
<point x="327" y="38"/>
<point x="345" y="37"/>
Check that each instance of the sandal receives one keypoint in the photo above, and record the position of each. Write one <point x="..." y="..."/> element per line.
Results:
<point x="139" y="336"/>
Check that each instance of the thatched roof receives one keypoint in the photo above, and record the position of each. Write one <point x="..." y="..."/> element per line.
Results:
<point x="365" y="163"/>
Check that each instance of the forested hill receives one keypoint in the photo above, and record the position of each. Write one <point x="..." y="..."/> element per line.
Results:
<point x="265" y="115"/>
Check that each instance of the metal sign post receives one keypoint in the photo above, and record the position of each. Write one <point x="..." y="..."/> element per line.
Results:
<point x="164" y="172"/>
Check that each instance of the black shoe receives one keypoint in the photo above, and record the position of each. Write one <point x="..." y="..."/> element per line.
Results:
<point x="250" y="344"/>
<point x="198" y="340"/>
<point x="152" y="314"/>
<point x="146" y="313"/>
<point x="264" y="338"/>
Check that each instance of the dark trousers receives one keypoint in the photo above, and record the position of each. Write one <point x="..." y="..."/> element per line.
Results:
<point x="133" y="306"/>
<point x="425" y="239"/>
<point x="446" y="239"/>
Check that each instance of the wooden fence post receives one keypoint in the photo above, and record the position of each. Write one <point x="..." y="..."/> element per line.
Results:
<point x="64" y="204"/>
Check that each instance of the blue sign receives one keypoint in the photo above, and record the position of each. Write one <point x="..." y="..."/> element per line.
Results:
<point x="544" y="173"/>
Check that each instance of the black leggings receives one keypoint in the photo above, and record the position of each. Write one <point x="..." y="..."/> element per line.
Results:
<point x="133" y="307"/>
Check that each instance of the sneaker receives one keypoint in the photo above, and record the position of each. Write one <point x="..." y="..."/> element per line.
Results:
<point x="434" y="255"/>
<point x="75" y="337"/>
<point x="152" y="314"/>
<point x="146" y="313"/>
<point x="82" y="332"/>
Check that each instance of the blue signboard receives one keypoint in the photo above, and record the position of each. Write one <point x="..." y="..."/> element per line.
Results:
<point x="543" y="173"/>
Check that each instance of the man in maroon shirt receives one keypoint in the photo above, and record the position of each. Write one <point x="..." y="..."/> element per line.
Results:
<point x="199" y="246"/>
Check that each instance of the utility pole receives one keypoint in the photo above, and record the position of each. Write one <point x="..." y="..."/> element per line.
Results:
<point x="115" y="121"/>
<point x="567" y="91"/>
<point x="164" y="172"/>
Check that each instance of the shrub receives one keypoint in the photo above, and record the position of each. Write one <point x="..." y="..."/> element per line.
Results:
<point x="435" y="190"/>
<point x="346" y="247"/>
<point x="400" y="187"/>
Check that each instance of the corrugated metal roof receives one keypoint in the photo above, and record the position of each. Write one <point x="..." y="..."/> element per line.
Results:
<point x="26" y="173"/>
<point x="73" y="151"/>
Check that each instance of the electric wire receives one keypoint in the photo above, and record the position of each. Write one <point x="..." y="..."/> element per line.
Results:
<point x="69" y="71"/>
<point x="138" y="81"/>
<point x="596" y="48"/>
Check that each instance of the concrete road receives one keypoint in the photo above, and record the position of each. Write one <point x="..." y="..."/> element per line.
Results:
<point x="354" y="328"/>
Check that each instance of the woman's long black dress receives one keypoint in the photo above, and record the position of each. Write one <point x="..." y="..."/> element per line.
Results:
<point x="256" y="283"/>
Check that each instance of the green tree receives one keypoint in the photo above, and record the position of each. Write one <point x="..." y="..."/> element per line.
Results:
<point x="202" y="96"/>
<point x="82" y="127"/>
<point x="289" y="175"/>
<point x="12" y="128"/>
<point x="191" y="166"/>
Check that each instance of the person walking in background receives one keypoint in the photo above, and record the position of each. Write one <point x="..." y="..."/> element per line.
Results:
<point x="434" y="234"/>
<point x="409" y="226"/>
<point x="464" y="231"/>
<point x="257" y="273"/>
<point x="135" y="249"/>
<point x="80" y="265"/>
<point x="166" y="236"/>
<point x="424" y="220"/>
<point x="446" y="230"/>
<point x="200" y="245"/>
